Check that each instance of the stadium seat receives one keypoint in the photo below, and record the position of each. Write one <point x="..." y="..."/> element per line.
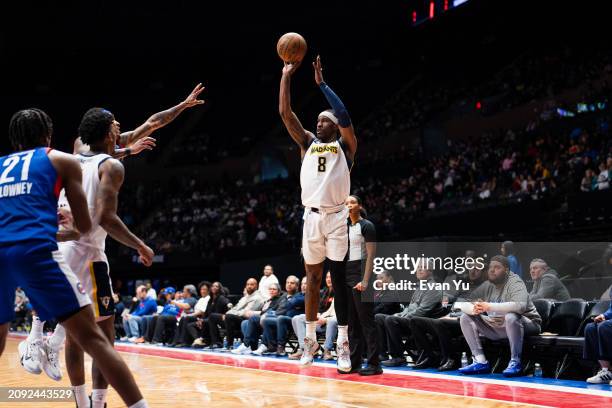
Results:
<point x="565" y="324"/>
<point x="545" y="309"/>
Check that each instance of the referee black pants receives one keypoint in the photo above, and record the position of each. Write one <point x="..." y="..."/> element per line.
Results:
<point x="362" y="330"/>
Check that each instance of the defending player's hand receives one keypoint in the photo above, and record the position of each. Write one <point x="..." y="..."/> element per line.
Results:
<point x="192" y="99"/>
<point x="318" y="70"/>
<point x="147" y="143"/>
<point x="291" y="67"/>
<point x="65" y="219"/>
<point x="146" y="255"/>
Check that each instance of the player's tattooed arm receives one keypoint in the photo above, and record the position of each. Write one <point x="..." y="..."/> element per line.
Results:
<point x="301" y="136"/>
<point x="147" y="143"/>
<point x="161" y="119"/>
<point x="111" y="178"/>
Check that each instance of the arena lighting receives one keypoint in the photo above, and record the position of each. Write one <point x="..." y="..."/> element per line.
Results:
<point x="427" y="10"/>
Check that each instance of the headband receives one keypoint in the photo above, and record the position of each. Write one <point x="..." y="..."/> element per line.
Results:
<point x="329" y="116"/>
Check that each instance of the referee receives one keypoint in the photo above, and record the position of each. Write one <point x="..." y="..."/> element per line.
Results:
<point x="362" y="326"/>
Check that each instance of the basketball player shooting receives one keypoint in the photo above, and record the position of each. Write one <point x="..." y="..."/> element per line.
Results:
<point x="325" y="180"/>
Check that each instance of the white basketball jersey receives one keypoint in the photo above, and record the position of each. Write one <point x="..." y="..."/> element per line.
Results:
<point x="325" y="175"/>
<point x="96" y="238"/>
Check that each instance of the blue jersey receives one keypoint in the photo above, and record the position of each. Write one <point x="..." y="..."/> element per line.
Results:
<point x="29" y="189"/>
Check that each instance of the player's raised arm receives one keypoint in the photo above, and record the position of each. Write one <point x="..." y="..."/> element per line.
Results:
<point x="344" y="120"/>
<point x="111" y="179"/>
<point x="301" y="136"/>
<point x="161" y="119"/>
<point x="140" y="145"/>
<point x="69" y="170"/>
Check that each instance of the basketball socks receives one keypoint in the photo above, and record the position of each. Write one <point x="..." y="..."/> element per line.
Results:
<point x="140" y="404"/>
<point x="342" y="333"/>
<point x="98" y="398"/>
<point x="480" y="358"/>
<point x="56" y="340"/>
<point x="80" y="395"/>
<point x="311" y="330"/>
<point x="36" y="333"/>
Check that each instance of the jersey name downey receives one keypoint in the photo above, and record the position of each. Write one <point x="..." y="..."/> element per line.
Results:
<point x="325" y="175"/>
<point x="29" y="187"/>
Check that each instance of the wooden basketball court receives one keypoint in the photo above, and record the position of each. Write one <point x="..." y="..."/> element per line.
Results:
<point x="190" y="378"/>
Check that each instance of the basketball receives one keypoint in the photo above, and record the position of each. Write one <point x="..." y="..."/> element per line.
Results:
<point x="291" y="47"/>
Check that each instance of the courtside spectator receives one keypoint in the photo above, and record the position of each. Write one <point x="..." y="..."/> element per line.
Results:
<point x="424" y="302"/>
<point x="502" y="309"/>
<point x="598" y="345"/>
<point x="252" y="328"/>
<point x="180" y="336"/>
<point x="443" y="329"/>
<point x="326" y="322"/>
<point x="276" y="328"/>
<point x="133" y="322"/>
<point x="546" y="282"/>
<point x="251" y="301"/>
<point x="155" y="331"/>
<point x="218" y="303"/>
<point x="266" y="280"/>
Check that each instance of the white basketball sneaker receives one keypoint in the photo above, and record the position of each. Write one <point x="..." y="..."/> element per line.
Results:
<point x="30" y="355"/>
<point x="51" y="362"/>
<point x="344" y="356"/>
<point x="602" y="377"/>
<point x="310" y="348"/>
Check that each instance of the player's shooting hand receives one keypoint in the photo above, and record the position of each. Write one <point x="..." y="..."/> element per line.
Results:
<point x="318" y="70"/>
<point x="146" y="143"/>
<point x="192" y="99"/>
<point x="290" y="67"/>
<point x="146" y="255"/>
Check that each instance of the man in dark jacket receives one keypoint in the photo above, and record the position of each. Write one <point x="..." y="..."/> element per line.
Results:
<point x="546" y="282"/>
<point x="251" y="327"/>
<point x="445" y="328"/>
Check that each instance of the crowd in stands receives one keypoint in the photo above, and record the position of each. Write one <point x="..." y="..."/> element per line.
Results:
<point x="550" y="156"/>
<point x="490" y="302"/>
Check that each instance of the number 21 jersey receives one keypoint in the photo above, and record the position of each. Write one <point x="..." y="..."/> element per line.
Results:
<point x="29" y="188"/>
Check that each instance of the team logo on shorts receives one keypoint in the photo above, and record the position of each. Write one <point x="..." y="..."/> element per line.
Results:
<point x="80" y="288"/>
<point x="105" y="300"/>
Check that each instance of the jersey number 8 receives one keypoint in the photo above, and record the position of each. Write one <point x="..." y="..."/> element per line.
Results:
<point x="322" y="162"/>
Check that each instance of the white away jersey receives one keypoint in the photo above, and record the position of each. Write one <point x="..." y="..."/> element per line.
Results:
<point x="325" y="175"/>
<point x="96" y="238"/>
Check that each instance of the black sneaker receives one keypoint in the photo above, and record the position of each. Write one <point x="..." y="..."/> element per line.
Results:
<point x="353" y="371"/>
<point x="371" y="370"/>
<point x="394" y="362"/>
